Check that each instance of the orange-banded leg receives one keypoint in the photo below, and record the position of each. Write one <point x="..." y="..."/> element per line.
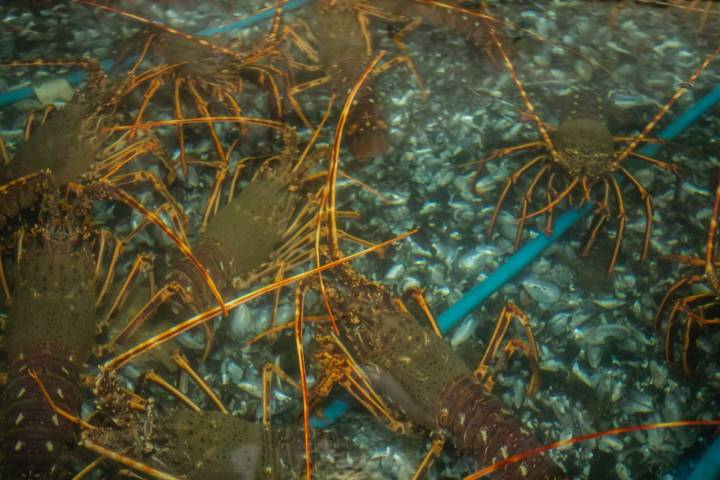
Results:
<point x="647" y="200"/>
<point x="120" y="244"/>
<point x="509" y="182"/>
<point x="4" y="283"/>
<point x="527" y="198"/>
<point x="153" y="87"/>
<point x="174" y="210"/>
<point x="600" y="216"/>
<point x="163" y="295"/>
<point x="710" y="271"/>
<point x="340" y="368"/>
<point x="276" y="297"/>
<point x="509" y="313"/>
<point x="622" y="218"/>
<point x="27" y="130"/>
<point x="531" y="111"/>
<point x="436" y="448"/>
<point x="554" y="202"/>
<point x="95" y="75"/>
<point x="104" y="189"/>
<point x="177" y="85"/>
<point x="694" y="308"/>
<point x="184" y="364"/>
<point x="152" y="377"/>
<point x="120" y="153"/>
<point x="91" y="445"/>
<point x="4" y="157"/>
<point x="495" y="154"/>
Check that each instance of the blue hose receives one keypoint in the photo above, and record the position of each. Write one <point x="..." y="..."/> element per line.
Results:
<point x="253" y="20"/>
<point x="708" y="468"/>
<point x="75" y="78"/>
<point x="532" y="249"/>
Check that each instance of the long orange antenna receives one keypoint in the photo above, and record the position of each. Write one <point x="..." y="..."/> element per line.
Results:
<point x="335" y="157"/>
<point x="523" y="94"/>
<point x="205" y="120"/>
<point x="584" y="438"/>
<point x="331" y="180"/>
<point x="173" y="332"/>
<point x="167" y="29"/>
<point x="298" y="324"/>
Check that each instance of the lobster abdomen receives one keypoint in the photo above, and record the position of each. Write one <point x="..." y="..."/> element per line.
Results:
<point x="480" y="426"/>
<point x="51" y="331"/>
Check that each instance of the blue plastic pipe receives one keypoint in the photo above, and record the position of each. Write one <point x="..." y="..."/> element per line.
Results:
<point x="708" y="467"/>
<point x="75" y="78"/>
<point x="531" y="250"/>
<point x="253" y="20"/>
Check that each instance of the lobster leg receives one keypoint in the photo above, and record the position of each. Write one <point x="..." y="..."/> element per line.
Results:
<point x="701" y="321"/>
<point x="683" y="282"/>
<point x="509" y="313"/>
<point x="527" y="198"/>
<point x="141" y="264"/>
<point x="180" y="128"/>
<point x="165" y="385"/>
<point x="344" y="371"/>
<point x="712" y="232"/>
<point x="622" y="217"/>
<point x="523" y="94"/>
<point x="3" y="283"/>
<point x="183" y="363"/>
<point x="647" y="199"/>
<point x="160" y="297"/>
<point x="509" y="182"/>
<point x="398" y="40"/>
<point x="602" y="213"/>
<point x="155" y="83"/>
<point x="438" y="443"/>
<point x="4" y="157"/>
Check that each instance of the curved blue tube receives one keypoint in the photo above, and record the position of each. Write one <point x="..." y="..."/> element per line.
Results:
<point x="519" y="260"/>
<point x="253" y="20"/>
<point x="709" y="465"/>
<point x="685" y="119"/>
<point x="74" y="78"/>
<point x="533" y="248"/>
<point x="16" y="95"/>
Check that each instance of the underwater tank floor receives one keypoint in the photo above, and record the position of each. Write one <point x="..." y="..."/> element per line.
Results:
<point x="602" y="362"/>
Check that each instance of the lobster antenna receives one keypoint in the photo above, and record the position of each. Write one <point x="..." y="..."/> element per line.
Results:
<point x="169" y="334"/>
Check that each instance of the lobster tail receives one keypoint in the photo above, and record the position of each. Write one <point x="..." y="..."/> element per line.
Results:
<point x="51" y="331"/>
<point x="36" y="441"/>
<point x="480" y="426"/>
